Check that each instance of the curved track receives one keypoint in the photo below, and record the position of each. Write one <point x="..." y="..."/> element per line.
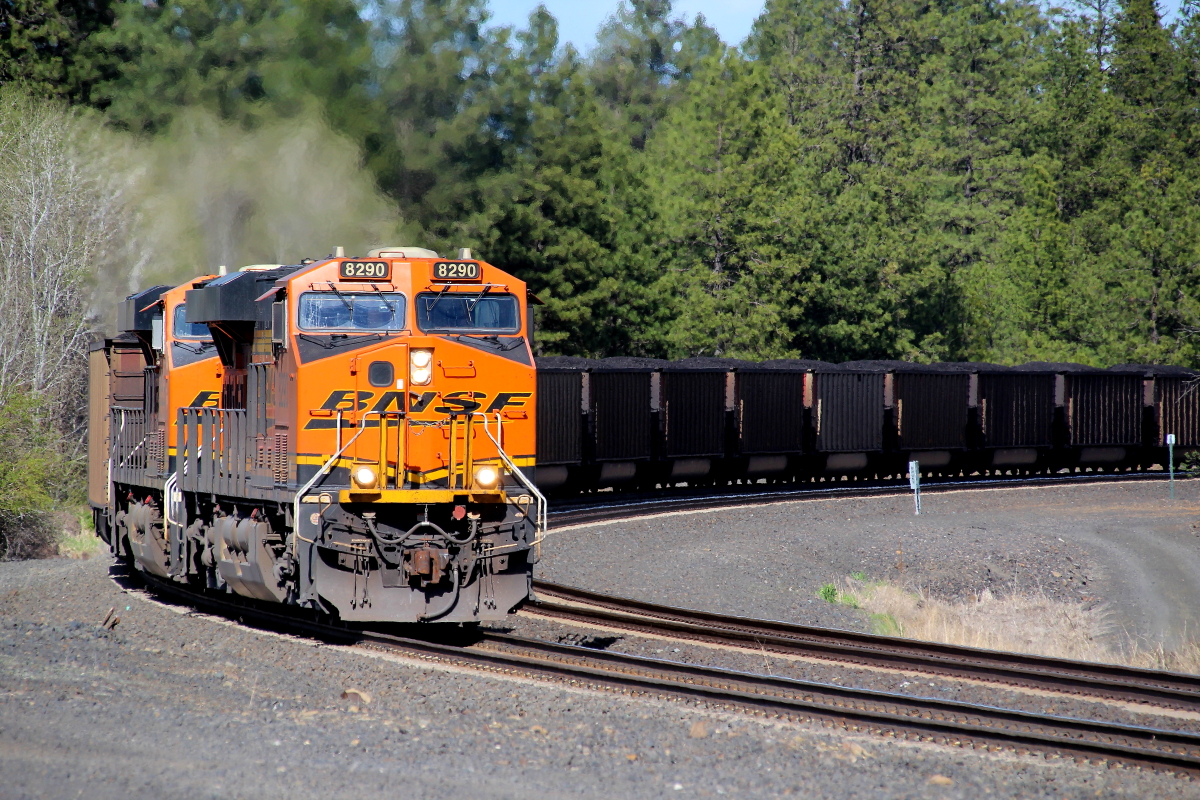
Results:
<point x="880" y="713"/>
<point x="606" y="507"/>
<point x="1108" y="681"/>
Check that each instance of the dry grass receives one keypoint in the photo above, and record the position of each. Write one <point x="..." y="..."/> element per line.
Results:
<point x="1185" y="659"/>
<point x="78" y="538"/>
<point x="1015" y="622"/>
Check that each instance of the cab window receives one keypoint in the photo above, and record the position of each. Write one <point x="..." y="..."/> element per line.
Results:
<point x="182" y="329"/>
<point x="351" y="311"/>
<point x="468" y="312"/>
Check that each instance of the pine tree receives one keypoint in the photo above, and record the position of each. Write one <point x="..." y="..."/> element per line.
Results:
<point x="560" y="204"/>
<point x="42" y="45"/>
<point x="433" y="83"/>
<point x="643" y="59"/>
<point x="247" y="61"/>
<point x="722" y="164"/>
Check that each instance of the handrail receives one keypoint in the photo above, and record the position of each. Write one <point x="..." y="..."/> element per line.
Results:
<point x="540" y="521"/>
<point x="119" y="442"/>
<point x="320" y="474"/>
<point x="168" y="489"/>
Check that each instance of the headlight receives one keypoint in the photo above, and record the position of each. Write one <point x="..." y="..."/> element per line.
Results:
<point x="487" y="477"/>
<point x="364" y="478"/>
<point x="420" y="366"/>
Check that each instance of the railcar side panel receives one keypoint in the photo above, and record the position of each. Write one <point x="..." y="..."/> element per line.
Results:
<point x="694" y="413"/>
<point x="1016" y="409"/>
<point x="931" y="410"/>
<point x="1178" y="401"/>
<point x="621" y="408"/>
<point x="1104" y="409"/>
<point x="848" y="412"/>
<point x="99" y="401"/>
<point x="771" y="412"/>
<point x="560" y="417"/>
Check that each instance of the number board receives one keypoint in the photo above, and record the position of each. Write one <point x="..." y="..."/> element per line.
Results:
<point x="456" y="271"/>
<point x="365" y="270"/>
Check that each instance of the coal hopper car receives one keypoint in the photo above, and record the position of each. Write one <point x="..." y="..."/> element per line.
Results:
<point x="635" y="423"/>
<point x="354" y="437"/>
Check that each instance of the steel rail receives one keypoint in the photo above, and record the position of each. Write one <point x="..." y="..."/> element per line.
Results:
<point x="1107" y="681"/>
<point x="921" y="719"/>
<point x="617" y="506"/>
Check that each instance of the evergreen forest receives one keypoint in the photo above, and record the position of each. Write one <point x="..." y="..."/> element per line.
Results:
<point x="978" y="179"/>
<point x="991" y="180"/>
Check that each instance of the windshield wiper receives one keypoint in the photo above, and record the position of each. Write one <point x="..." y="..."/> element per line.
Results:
<point x="492" y="340"/>
<point x="386" y="302"/>
<point x="338" y="339"/>
<point x="471" y="305"/>
<point x="430" y="305"/>
<point x="341" y="297"/>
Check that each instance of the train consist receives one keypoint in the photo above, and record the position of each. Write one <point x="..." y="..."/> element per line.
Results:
<point x="357" y="436"/>
<point x="349" y="436"/>
<point x="632" y="423"/>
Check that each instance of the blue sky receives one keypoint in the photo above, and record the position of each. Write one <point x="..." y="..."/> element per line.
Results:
<point x="578" y="20"/>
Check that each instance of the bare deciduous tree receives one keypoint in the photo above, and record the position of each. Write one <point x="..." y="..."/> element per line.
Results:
<point x="59" y="216"/>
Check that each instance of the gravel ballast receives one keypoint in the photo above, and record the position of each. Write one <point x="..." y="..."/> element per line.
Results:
<point x="1124" y="545"/>
<point x="178" y="704"/>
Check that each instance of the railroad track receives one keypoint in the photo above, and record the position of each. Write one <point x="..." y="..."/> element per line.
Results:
<point x="616" y="507"/>
<point x="897" y="716"/>
<point x="1106" y="681"/>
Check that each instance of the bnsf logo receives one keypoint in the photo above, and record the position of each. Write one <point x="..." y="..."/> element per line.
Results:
<point x="350" y="400"/>
<point x="206" y="399"/>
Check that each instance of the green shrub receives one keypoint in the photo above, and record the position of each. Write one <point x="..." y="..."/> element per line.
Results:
<point x="34" y="477"/>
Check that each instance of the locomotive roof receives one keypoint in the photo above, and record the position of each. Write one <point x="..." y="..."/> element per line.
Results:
<point x="134" y="313"/>
<point x="233" y="297"/>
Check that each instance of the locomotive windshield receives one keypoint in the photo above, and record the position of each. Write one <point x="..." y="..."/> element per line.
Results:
<point x="182" y="329"/>
<point x="468" y="313"/>
<point x="343" y="311"/>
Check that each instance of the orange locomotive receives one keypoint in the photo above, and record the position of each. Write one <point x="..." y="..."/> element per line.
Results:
<point x="366" y="455"/>
<point x="158" y="360"/>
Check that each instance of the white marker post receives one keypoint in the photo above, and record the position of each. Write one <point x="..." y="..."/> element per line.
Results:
<point x="914" y="480"/>
<point x="1171" y="461"/>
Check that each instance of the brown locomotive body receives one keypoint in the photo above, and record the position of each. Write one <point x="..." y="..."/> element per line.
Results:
<point x="365" y="456"/>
